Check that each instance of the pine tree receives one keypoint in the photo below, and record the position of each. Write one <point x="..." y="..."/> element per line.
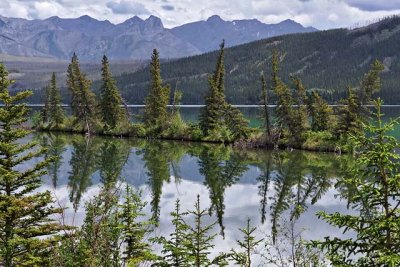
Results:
<point x="134" y="232"/>
<point x="264" y="103"/>
<point x="218" y="116"/>
<point x="110" y="99"/>
<point x="56" y="112"/>
<point x="284" y="109"/>
<point x="175" y="252"/>
<point x="83" y="99"/>
<point x="199" y="240"/>
<point x="300" y="119"/>
<point x="156" y="112"/>
<point x="25" y="213"/>
<point x="349" y="117"/>
<point x="44" y="113"/>
<point x="212" y="115"/>
<point x="248" y="244"/>
<point x="371" y="82"/>
<point x="374" y="232"/>
<point x="320" y="113"/>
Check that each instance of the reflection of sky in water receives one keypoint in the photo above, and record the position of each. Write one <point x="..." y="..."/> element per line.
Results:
<point x="241" y="199"/>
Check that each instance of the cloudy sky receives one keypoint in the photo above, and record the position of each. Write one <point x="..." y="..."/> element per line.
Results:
<point x="323" y="14"/>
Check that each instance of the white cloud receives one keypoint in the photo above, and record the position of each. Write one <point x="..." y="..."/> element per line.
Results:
<point x="322" y="14"/>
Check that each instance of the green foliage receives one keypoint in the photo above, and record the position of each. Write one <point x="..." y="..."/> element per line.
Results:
<point x="134" y="232"/>
<point x="175" y="251"/>
<point x="265" y="116"/>
<point x="45" y="109"/>
<point x="110" y="104"/>
<point x="371" y="82"/>
<point x="83" y="99"/>
<point x="212" y="115"/>
<point x="112" y="234"/>
<point x="248" y="246"/>
<point x="199" y="241"/>
<point x="300" y="119"/>
<point x="375" y="194"/>
<point x="56" y="112"/>
<point x="320" y="113"/>
<point x="218" y="119"/>
<point x="155" y="113"/>
<point x="83" y="162"/>
<point x="327" y="61"/>
<point x="350" y="115"/>
<point x="25" y="213"/>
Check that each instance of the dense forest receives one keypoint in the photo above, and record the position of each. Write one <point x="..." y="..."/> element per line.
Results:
<point x="326" y="61"/>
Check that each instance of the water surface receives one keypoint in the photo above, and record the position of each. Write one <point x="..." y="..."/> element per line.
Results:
<point x="269" y="187"/>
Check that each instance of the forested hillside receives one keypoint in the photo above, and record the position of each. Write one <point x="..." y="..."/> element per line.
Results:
<point x="327" y="60"/>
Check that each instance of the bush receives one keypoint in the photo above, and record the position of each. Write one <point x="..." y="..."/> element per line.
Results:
<point x="137" y="130"/>
<point x="319" y="141"/>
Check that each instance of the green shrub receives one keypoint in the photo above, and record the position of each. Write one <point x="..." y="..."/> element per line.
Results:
<point x="319" y="141"/>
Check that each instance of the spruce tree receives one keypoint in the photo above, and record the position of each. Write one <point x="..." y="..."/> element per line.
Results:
<point x="284" y="109"/>
<point x="137" y="249"/>
<point x="83" y="99"/>
<point x="199" y="239"/>
<point x="44" y="113"/>
<point x="212" y="115"/>
<point x="110" y="99"/>
<point x="349" y="117"/>
<point x="320" y="113"/>
<point x="218" y="116"/>
<point x="374" y="227"/>
<point x="26" y="227"/>
<point x="56" y="112"/>
<point x="175" y="252"/>
<point x="248" y="246"/>
<point x="155" y="111"/>
<point x="300" y="119"/>
<point x="264" y="105"/>
<point x="371" y="83"/>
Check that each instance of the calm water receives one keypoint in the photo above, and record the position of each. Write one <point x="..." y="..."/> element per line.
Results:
<point x="269" y="187"/>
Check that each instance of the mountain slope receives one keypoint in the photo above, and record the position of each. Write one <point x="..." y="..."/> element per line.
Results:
<point x="89" y="38"/>
<point x="133" y="39"/>
<point x="207" y="35"/>
<point x="327" y="60"/>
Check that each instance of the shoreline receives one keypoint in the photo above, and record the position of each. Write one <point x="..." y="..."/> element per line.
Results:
<point x="240" y="144"/>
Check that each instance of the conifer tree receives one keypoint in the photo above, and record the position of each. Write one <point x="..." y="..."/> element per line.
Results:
<point x="320" y="112"/>
<point x="137" y="249"/>
<point x="44" y="113"/>
<point x="199" y="239"/>
<point x="300" y="119"/>
<point x="371" y="83"/>
<point x="25" y="213"/>
<point x="218" y="115"/>
<point x="56" y="112"/>
<point x="248" y="245"/>
<point x="264" y="103"/>
<point x="212" y="115"/>
<point x="83" y="99"/>
<point x="110" y="98"/>
<point x="349" y="117"/>
<point x="175" y="252"/>
<point x="284" y="110"/>
<point x="155" y="112"/>
<point x="374" y="231"/>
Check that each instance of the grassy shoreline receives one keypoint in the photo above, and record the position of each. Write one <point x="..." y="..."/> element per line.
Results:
<point x="257" y="139"/>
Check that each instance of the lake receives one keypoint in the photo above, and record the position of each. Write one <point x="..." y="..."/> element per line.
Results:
<point x="280" y="191"/>
<point x="269" y="187"/>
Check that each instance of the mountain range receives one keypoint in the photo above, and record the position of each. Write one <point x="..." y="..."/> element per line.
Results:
<point x="134" y="38"/>
<point x="328" y="61"/>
